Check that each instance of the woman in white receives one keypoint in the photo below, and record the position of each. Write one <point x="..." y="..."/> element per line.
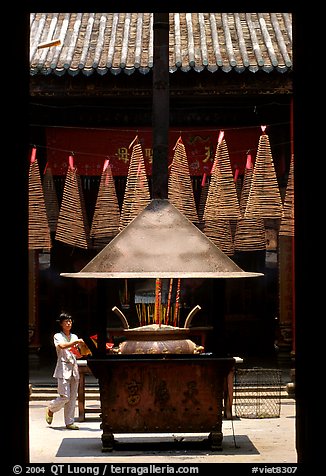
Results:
<point x="66" y="372"/>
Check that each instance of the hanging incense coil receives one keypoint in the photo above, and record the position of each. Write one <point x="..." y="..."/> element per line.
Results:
<point x="72" y="226"/>
<point x="222" y="199"/>
<point x="238" y="186"/>
<point x="51" y="199"/>
<point x="137" y="195"/>
<point x="180" y="190"/>
<point x="250" y="235"/>
<point x="39" y="236"/>
<point x="202" y="200"/>
<point x="105" y="223"/>
<point x="250" y="232"/>
<point x="233" y="227"/>
<point x="287" y="221"/>
<point x="264" y="198"/>
<point x="220" y="233"/>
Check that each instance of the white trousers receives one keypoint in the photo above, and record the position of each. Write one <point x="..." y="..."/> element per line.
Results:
<point x="68" y="391"/>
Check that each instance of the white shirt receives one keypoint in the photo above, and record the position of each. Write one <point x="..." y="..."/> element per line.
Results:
<point x="66" y="361"/>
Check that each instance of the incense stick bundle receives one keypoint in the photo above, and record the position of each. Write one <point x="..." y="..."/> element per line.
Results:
<point x="38" y="227"/>
<point x="158" y="300"/>
<point x="177" y="304"/>
<point x="168" y="306"/>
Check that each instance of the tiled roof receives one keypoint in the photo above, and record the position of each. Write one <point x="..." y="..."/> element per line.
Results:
<point x="116" y="42"/>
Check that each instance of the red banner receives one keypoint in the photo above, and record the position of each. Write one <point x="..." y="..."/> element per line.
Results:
<point x="92" y="147"/>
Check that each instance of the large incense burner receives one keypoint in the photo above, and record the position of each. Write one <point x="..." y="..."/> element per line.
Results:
<point x="170" y="393"/>
<point x="158" y="338"/>
<point x="158" y="381"/>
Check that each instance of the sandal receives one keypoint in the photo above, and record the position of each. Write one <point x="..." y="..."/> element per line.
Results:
<point x="72" y="426"/>
<point x="48" y="417"/>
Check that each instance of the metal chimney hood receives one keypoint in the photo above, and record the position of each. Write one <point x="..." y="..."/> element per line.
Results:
<point x="161" y="243"/>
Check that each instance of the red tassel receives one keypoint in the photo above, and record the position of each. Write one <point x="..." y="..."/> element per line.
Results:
<point x="33" y="155"/>
<point x="106" y="163"/>
<point x="249" y="162"/>
<point x="178" y="141"/>
<point x="71" y="161"/>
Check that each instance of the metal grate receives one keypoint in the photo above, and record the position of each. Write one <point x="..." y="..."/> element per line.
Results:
<point x="257" y="393"/>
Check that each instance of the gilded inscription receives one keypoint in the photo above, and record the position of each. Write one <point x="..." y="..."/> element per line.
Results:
<point x="191" y="393"/>
<point x="162" y="395"/>
<point x="133" y="388"/>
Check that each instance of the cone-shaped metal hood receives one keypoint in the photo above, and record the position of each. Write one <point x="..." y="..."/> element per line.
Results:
<point x="161" y="243"/>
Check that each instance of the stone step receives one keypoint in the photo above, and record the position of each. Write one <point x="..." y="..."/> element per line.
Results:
<point x="38" y="393"/>
<point x="50" y="396"/>
<point x="92" y="392"/>
<point x="53" y="389"/>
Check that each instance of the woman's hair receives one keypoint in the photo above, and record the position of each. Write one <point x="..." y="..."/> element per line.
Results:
<point x="63" y="316"/>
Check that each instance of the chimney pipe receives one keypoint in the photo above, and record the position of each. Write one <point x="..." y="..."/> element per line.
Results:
<point x="160" y="106"/>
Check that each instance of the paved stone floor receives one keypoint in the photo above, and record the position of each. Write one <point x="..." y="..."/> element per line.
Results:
<point x="245" y="440"/>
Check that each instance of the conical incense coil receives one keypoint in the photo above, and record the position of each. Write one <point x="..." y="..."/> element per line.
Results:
<point x="287" y="221"/>
<point x="72" y="226"/>
<point x="246" y="185"/>
<point x="203" y="198"/>
<point x="51" y="199"/>
<point x="105" y="223"/>
<point x="238" y="185"/>
<point x="137" y="195"/>
<point x="38" y="227"/>
<point x="264" y="198"/>
<point x="250" y="232"/>
<point x="219" y="232"/>
<point x="250" y="235"/>
<point x="222" y="200"/>
<point x="180" y="190"/>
